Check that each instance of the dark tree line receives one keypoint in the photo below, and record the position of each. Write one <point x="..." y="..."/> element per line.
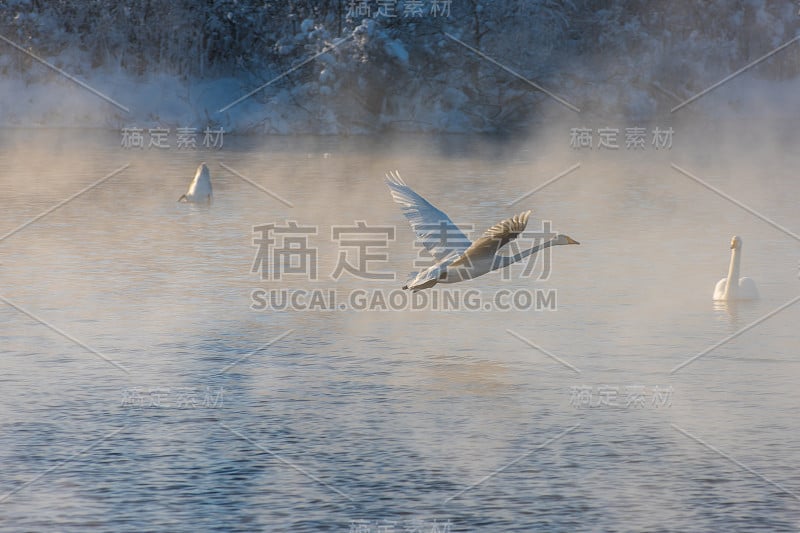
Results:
<point x="561" y="43"/>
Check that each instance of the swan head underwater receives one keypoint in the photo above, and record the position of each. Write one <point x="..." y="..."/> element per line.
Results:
<point x="200" y="188"/>
<point x="733" y="287"/>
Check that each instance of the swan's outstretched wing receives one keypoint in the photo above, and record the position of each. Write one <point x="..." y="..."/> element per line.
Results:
<point x="508" y="229"/>
<point x="434" y="228"/>
<point x="494" y="238"/>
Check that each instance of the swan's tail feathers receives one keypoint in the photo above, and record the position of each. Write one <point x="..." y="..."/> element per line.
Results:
<point x="424" y="280"/>
<point x="411" y="277"/>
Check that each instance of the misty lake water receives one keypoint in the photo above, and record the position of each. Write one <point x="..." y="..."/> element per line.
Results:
<point x="141" y="390"/>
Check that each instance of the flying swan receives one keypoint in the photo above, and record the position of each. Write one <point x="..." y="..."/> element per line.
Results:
<point x="458" y="259"/>
<point x="733" y="287"/>
<point x="200" y="189"/>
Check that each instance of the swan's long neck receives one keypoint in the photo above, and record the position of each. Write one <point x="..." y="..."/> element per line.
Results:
<point x="732" y="284"/>
<point x="502" y="261"/>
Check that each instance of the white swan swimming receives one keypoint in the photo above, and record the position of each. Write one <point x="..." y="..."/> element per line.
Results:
<point x="200" y="189"/>
<point x="733" y="287"/>
<point x="458" y="259"/>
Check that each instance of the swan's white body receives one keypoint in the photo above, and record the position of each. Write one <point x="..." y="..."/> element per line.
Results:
<point x="458" y="259"/>
<point x="200" y="189"/>
<point x="733" y="287"/>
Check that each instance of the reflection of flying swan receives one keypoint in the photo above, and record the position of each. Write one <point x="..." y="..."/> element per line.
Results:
<point x="458" y="259"/>
<point x="733" y="287"/>
<point x="200" y="189"/>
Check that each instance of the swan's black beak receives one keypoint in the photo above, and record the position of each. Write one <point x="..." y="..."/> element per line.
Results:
<point x="570" y="240"/>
